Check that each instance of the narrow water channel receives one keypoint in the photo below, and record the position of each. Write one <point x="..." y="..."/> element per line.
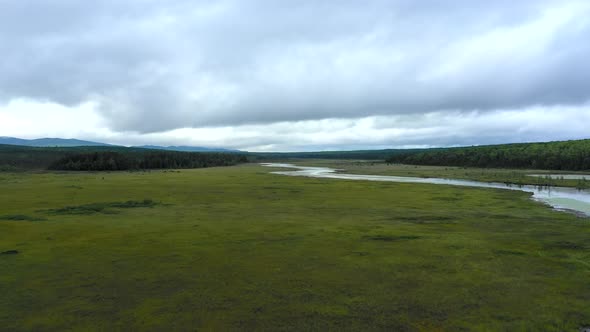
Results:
<point x="569" y="199"/>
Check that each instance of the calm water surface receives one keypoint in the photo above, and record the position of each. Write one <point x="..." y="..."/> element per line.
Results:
<point x="558" y="197"/>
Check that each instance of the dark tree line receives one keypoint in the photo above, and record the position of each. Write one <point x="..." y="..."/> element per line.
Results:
<point x="566" y="155"/>
<point x="358" y="154"/>
<point x="117" y="161"/>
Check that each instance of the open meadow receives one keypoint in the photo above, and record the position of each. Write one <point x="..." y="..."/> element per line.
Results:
<point x="238" y="248"/>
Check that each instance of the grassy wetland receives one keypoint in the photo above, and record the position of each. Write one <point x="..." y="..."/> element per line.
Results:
<point x="501" y="175"/>
<point x="237" y="248"/>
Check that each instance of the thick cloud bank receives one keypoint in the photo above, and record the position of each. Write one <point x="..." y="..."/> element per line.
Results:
<point x="156" y="66"/>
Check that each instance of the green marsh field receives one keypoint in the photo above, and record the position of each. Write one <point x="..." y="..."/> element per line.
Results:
<point x="237" y="248"/>
<point x="502" y="175"/>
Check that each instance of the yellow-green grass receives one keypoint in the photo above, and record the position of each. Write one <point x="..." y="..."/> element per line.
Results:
<point x="503" y="175"/>
<point x="237" y="248"/>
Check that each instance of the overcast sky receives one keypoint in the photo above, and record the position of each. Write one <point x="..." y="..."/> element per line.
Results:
<point x="296" y="75"/>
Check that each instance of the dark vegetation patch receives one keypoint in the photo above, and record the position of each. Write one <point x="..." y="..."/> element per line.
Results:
<point x="108" y="158"/>
<point x="9" y="252"/>
<point x="412" y="218"/>
<point x="133" y="204"/>
<point x="446" y="199"/>
<point x="509" y="252"/>
<point x="271" y="240"/>
<point x="564" y="155"/>
<point x="391" y="238"/>
<point x="504" y="216"/>
<point x="426" y="219"/>
<point x="134" y="160"/>
<point x="105" y="208"/>
<point x="567" y="245"/>
<point x="20" y="217"/>
<point x="359" y="154"/>
<point x="8" y="168"/>
<point x="578" y="214"/>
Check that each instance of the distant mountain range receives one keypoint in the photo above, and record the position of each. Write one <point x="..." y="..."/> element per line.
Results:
<point x="47" y="142"/>
<point x="63" y="142"/>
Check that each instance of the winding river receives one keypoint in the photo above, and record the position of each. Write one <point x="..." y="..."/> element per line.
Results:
<point x="561" y="198"/>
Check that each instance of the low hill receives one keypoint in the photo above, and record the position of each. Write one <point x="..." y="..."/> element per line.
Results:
<point x="70" y="142"/>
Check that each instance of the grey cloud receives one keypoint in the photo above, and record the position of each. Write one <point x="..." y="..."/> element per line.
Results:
<point x="155" y="66"/>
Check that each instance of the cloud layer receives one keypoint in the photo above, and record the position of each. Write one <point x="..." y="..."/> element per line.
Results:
<point x="150" y="67"/>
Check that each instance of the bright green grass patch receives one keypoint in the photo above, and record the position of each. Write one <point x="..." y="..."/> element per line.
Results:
<point x="237" y="248"/>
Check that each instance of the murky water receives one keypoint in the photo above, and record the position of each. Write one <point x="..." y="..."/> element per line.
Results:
<point x="557" y="197"/>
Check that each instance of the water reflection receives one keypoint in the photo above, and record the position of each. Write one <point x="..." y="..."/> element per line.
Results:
<point x="558" y="197"/>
